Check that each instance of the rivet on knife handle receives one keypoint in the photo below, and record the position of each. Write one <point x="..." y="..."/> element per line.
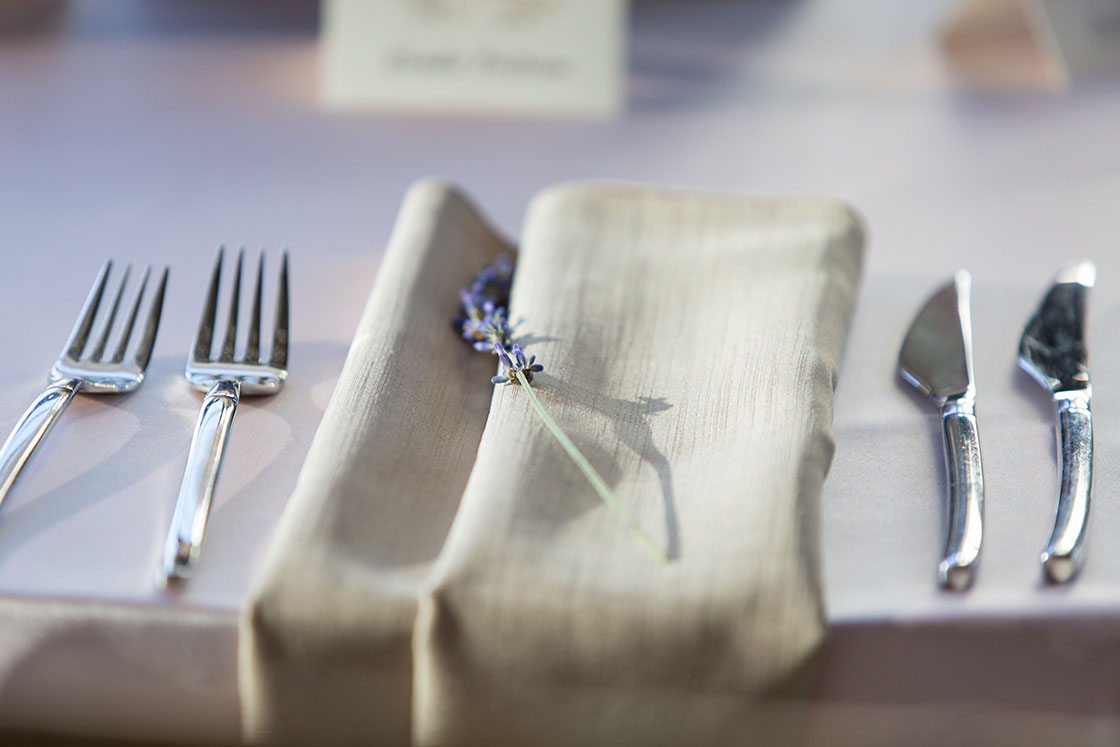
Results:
<point x="936" y="357"/>
<point x="1053" y="351"/>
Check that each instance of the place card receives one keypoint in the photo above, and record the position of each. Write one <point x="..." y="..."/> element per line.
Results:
<point x="538" y="57"/>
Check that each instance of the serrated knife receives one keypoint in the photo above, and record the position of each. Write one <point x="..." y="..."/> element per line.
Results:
<point x="1052" y="350"/>
<point x="936" y="357"/>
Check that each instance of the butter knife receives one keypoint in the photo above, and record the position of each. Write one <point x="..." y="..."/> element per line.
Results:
<point x="936" y="357"/>
<point x="1052" y="350"/>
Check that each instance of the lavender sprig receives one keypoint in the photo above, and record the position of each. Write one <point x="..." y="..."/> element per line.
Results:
<point x="514" y="363"/>
<point x="485" y="327"/>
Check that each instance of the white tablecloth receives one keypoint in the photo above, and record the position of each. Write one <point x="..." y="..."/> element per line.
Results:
<point x="156" y="131"/>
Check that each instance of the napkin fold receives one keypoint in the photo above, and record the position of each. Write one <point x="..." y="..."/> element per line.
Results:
<point x="325" y="652"/>
<point x="439" y="583"/>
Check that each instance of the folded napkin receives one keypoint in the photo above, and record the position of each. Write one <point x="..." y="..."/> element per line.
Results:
<point x="691" y="344"/>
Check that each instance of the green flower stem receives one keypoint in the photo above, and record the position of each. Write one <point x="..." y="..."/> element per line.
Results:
<point x="592" y="476"/>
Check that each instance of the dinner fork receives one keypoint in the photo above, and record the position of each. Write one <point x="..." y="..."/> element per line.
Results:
<point x="224" y="380"/>
<point x="94" y="374"/>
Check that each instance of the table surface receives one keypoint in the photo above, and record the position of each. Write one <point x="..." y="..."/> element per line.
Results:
<point x="154" y="132"/>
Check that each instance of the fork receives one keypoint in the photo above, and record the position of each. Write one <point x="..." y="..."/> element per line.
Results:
<point x="224" y="380"/>
<point x="93" y="374"/>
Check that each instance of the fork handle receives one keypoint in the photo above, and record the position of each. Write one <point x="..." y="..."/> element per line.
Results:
<point x="30" y="430"/>
<point x="184" y="540"/>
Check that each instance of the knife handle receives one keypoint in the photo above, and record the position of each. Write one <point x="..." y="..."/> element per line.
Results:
<point x="1062" y="556"/>
<point x="966" y="496"/>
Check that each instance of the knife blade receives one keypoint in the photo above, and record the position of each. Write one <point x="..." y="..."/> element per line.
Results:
<point x="1053" y="351"/>
<point x="936" y="357"/>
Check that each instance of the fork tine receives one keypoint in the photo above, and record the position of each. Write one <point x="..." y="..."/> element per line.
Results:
<point x="126" y="333"/>
<point x="231" y="324"/>
<point x="99" y="348"/>
<point x="144" y="348"/>
<point x="80" y="333"/>
<point x="280" y="333"/>
<point x="253" y="348"/>
<point x="205" y="333"/>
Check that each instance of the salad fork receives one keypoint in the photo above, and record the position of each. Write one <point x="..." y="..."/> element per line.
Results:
<point x="224" y="380"/>
<point x="93" y="374"/>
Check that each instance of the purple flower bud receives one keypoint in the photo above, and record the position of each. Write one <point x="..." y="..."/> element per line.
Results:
<point x="513" y="364"/>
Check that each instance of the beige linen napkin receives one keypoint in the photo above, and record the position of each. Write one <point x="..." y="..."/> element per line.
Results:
<point x="325" y="639"/>
<point x="691" y="345"/>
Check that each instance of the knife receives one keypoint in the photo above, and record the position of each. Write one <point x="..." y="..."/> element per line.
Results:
<point x="1052" y="351"/>
<point x="936" y="357"/>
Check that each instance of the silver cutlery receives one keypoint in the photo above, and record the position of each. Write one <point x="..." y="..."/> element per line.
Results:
<point x="95" y="373"/>
<point x="936" y="357"/>
<point x="224" y="379"/>
<point x="1052" y="350"/>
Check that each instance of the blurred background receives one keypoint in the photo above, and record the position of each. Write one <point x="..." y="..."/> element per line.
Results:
<point x="183" y="123"/>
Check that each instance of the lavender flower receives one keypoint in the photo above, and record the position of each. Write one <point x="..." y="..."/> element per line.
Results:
<point x="484" y="325"/>
<point x="494" y="281"/>
<point x="513" y="362"/>
<point x="483" y="321"/>
<point x="474" y="309"/>
<point x="491" y="331"/>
